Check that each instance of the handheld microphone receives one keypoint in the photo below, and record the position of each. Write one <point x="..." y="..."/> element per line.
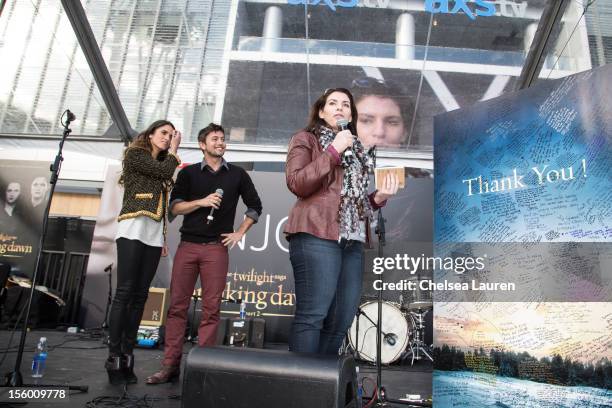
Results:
<point x="343" y="125"/>
<point x="210" y="217"/>
<point x="69" y="116"/>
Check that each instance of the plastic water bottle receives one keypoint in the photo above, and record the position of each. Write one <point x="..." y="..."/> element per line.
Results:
<point x="243" y="310"/>
<point x="39" y="361"/>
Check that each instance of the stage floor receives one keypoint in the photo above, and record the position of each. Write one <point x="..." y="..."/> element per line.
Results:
<point x="78" y="359"/>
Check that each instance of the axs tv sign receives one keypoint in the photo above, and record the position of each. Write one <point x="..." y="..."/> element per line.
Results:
<point x="471" y="8"/>
<point x="481" y="8"/>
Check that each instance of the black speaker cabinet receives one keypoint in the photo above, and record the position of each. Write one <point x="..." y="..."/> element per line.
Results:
<point x="194" y="322"/>
<point x="231" y="377"/>
<point x="247" y="332"/>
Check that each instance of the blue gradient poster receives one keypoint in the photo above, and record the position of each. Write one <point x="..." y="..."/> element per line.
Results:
<point x="524" y="182"/>
<point x="530" y="166"/>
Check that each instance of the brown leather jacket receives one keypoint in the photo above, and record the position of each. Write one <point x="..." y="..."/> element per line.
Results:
<point x="315" y="177"/>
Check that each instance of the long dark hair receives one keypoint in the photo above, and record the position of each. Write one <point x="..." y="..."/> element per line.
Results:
<point x="315" y="122"/>
<point x="144" y="141"/>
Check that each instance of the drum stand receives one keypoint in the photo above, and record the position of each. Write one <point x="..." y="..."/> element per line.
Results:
<point x="418" y="346"/>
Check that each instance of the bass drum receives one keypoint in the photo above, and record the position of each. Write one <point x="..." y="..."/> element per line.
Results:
<point x="395" y="328"/>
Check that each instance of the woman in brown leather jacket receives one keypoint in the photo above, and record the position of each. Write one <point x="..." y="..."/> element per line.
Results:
<point x="148" y="166"/>
<point x="329" y="223"/>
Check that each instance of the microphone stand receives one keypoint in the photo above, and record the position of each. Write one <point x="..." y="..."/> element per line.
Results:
<point x="380" y="391"/>
<point x="380" y="395"/>
<point x="15" y="379"/>
<point x="109" y="300"/>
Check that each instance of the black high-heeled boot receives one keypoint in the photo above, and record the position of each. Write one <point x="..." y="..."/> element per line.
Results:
<point x="114" y="368"/>
<point x="128" y="369"/>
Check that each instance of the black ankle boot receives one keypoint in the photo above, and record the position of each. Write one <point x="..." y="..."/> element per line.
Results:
<point x="128" y="369"/>
<point x="114" y="368"/>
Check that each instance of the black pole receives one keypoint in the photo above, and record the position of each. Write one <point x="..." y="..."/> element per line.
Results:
<point x="381" y="398"/>
<point x="380" y="392"/>
<point x="542" y="42"/>
<point x="15" y="379"/>
<point x="109" y="298"/>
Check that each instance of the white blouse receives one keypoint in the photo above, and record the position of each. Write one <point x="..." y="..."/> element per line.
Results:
<point x="143" y="229"/>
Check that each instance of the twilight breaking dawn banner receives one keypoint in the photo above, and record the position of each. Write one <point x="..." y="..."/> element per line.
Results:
<point x="523" y="183"/>
<point x="24" y="191"/>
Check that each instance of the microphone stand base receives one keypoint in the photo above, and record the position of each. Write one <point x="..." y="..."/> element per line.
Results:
<point x="13" y="379"/>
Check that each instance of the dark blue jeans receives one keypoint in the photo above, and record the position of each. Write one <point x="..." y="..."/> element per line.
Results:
<point x="328" y="278"/>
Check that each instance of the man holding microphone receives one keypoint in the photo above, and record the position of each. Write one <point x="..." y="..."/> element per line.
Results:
<point x="206" y="194"/>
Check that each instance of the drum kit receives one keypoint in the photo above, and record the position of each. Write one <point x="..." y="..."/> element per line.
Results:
<point x="402" y="330"/>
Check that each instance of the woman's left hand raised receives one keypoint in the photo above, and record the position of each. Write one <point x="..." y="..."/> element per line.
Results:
<point x="389" y="188"/>
<point x="176" y="141"/>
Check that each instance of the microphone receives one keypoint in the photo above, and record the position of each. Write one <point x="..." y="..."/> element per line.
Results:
<point x="212" y="209"/>
<point x="390" y="339"/>
<point x="108" y="268"/>
<point x="343" y="125"/>
<point x="69" y="116"/>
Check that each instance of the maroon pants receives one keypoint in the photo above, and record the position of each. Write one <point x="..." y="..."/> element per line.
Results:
<point x="209" y="262"/>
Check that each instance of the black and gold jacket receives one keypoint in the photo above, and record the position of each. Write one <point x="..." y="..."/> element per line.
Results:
<point x="147" y="182"/>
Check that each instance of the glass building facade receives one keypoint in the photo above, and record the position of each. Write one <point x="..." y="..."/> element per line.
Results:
<point x="257" y="66"/>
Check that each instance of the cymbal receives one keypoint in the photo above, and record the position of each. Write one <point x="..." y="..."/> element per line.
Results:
<point x="423" y="304"/>
<point x="27" y="283"/>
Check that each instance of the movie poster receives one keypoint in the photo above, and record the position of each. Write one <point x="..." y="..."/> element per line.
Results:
<point x="523" y="185"/>
<point x="24" y="192"/>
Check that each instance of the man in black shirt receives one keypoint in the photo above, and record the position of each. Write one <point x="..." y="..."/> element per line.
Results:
<point x="204" y="245"/>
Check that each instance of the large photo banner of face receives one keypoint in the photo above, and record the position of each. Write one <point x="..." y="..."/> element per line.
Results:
<point x="284" y="54"/>
<point x="525" y="181"/>
<point x="259" y="270"/>
<point x="24" y="192"/>
<point x="385" y="99"/>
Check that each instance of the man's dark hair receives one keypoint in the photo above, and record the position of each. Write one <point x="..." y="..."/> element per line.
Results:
<point x="212" y="127"/>
<point x="368" y="86"/>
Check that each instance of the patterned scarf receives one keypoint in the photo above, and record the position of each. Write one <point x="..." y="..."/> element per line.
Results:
<point x="354" y="203"/>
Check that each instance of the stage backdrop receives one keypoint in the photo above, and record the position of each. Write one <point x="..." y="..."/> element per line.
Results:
<point x="24" y="188"/>
<point x="259" y="270"/>
<point x="524" y="181"/>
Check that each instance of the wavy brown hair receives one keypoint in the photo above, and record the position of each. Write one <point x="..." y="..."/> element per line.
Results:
<point x="315" y="122"/>
<point x="143" y="141"/>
